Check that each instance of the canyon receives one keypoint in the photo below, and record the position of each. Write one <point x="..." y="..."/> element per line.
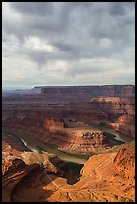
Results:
<point x="69" y="144"/>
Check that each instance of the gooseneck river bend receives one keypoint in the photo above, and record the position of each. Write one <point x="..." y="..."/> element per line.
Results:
<point x="36" y="145"/>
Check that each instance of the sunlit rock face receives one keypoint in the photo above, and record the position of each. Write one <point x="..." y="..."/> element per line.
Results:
<point x="127" y="119"/>
<point x="79" y="141"/>
<point x="108" y="177"/>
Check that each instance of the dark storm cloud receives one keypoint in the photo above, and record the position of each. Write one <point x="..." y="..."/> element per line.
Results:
<point x="41" y="17"/>
<point x="35" y="8"/>
<point x="48" y="17"/>
<point x="73" y="30"/>
<point x="54" y="20"/>
<point x="117" y="9"/>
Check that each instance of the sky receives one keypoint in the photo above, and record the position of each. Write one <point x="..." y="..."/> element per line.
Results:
<point x="68" y="43"/>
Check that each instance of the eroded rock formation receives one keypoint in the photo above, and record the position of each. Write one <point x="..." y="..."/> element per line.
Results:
<point x="106" y="177"/>
<point x="54" y="131"/>
<point x="66" y="133"/>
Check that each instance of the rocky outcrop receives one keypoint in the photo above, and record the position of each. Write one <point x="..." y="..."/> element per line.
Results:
<point x="125" y="158"/>
<point x="127" y="119"/>
<point x="53" y="124"/>
<point x="106" y="177"/>
<point x="17" y="174"/>
<point x="79" y="141"/>
<point x="33" y="171"/>
<point x="50" y="162"/>
<point x="8" y="155"/>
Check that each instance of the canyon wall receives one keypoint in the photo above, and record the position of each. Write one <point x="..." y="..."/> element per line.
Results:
<point x="114" y="105"/>
<point x="53" y="132"/>
<point x="86" y="92"/>
<point x="54" y="124"/>
<point x="48" y="118"/>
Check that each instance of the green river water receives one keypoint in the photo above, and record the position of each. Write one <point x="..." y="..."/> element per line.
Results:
<point x="36" y="145"/>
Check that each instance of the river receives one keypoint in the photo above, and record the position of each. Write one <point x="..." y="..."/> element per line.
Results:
<point x="36" y="145"/>
<point x="117" y="135"/>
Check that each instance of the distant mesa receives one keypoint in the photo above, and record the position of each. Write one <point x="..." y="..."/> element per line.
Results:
<point x="86" y="92"/>
<point x="82" y="93"/>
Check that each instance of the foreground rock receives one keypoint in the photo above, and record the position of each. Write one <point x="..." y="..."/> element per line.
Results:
<point x="106" y="177"/>
<point x="28" y="183"/>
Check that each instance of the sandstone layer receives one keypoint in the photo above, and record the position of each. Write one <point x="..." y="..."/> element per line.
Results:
<point x="106" y="177"/>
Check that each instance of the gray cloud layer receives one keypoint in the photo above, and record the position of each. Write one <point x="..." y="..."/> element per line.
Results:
<point x="68" y="43"/>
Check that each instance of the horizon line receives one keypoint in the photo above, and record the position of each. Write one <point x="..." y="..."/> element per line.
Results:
<point x="36" y="86"/>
